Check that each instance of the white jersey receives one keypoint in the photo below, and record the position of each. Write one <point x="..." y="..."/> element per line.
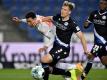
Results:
<point x="47" y="28"/>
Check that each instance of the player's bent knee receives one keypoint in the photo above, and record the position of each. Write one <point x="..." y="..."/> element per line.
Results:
<point x="46" y="59"/>
<point x="104" y="62"/>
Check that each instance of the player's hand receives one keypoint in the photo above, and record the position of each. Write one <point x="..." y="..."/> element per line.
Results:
<point x="86" y="24"/>
<point x="86" y="52"/>
<point x="42" y="49"/>
<point x="16" y="19"/>
<point x="89" y="55"/>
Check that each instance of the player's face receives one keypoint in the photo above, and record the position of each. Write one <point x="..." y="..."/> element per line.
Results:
<point x="30" y="21"/>
<point x="65" y="11"/>
<point x="103" y="5"/>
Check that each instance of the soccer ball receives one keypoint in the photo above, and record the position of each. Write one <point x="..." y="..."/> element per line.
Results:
<point x="37" y="72"/>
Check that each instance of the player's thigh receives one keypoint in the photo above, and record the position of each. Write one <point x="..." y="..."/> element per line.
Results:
<point x="46" y="58"/>
<point x="104" y="60"/>
<point x="103" y="57"/>
<point x="95" y="50"/>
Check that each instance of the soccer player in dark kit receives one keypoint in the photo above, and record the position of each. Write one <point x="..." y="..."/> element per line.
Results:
<point x="99" y="19"/>
<point x="65" y="27"/>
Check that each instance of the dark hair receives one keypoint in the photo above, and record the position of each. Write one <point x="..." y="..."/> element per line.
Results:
<point x="104" y="0"/>
<point x="30" y="15"/>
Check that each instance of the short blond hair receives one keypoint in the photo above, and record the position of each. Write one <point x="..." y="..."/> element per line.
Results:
<point x="69" y="4"/>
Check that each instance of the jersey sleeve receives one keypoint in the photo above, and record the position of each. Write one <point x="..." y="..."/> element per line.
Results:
<point x="75" y="27"/>
<point x="56" y="17"/>
<point x="49" y="42"/>
<point x="23" y="20"/>
<point x="90" y="18"/>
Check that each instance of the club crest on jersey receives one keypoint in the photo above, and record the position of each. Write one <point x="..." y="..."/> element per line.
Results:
<point x="104" y="17"/>
<point x="66" y="23"/>
<point x="95" y="15"/>
<point x="59" y="19"/>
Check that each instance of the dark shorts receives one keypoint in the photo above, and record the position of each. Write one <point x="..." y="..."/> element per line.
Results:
<point x="58" y="52"/>
<point x="99" y="50"/>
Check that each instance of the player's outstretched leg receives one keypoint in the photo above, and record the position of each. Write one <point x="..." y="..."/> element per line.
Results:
<point x="76" y="72"/>
<point x="86" y="70"/>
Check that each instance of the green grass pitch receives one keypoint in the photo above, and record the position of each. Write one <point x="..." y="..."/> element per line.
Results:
<point x="12" y="74"/>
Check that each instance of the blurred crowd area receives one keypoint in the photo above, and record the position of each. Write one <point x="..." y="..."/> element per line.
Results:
<point x="11" y="32"/>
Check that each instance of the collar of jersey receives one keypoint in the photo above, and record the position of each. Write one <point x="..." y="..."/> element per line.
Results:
<point x="102" y="13"/>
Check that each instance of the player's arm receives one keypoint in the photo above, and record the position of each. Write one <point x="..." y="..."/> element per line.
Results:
<point x="16" y="19"/>
<point x="89" y="21"/>
<point x="44" y="48"/>
<point x="47" y="18"/>
<point x="80" y="36"/>
<point x="34" y="22"/>
<point x="84" y="44"/>
<point x="47" y="42"/>
<point x="83" y="41"/>
<point x="52" y="18"/>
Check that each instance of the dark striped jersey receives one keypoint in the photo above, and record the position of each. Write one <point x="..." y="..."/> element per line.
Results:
<point x="100" y="26"/>
<point x="64" y="29"/>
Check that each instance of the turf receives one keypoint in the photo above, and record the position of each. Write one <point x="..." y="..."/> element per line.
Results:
<point x="12" y="74"/>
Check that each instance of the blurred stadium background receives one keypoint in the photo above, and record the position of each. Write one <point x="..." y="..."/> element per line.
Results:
<point x="16" y="38"/>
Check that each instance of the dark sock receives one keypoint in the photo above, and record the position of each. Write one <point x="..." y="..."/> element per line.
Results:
<point x="105" y="66"/>
<point x="45" y="65"/>
<point x="46" y="69"/>
<point x="87" y="68"/>
<point x="57" y="71"/>
<point x="46" y="73"/>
